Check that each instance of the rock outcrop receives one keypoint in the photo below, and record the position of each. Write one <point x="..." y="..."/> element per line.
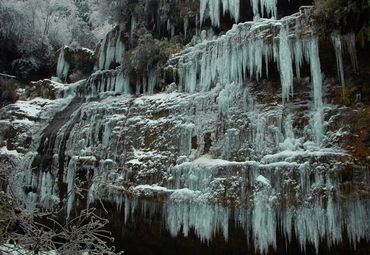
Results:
<point x="251" y="134"/>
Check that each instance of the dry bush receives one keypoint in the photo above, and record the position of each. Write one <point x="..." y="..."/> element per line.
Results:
<point x="35" y="231"/>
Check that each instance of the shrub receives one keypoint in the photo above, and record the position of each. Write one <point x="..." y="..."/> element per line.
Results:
<point x="8" y="92"/>
<point x="343" y="15"/>
<point x="149" y="54"/>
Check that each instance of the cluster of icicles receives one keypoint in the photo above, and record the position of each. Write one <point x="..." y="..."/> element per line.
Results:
<point x="241" y="52"/>
<point x="259" y="7"/>
<point x="238" y="55"/>
<point x="246" y="50"/>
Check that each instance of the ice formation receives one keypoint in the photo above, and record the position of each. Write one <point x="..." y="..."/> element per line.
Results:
<point x="316" y="78"/>
<point x="108" y="81"/>
<point x="285" y="65"/>
<point x="111" y="49"/>
<point x="350" y="40"/>
<point x="188" y="207"/>
<point x="337" y="43"/>
<point x="214" y="155"/>
<point x="262" y="7"/>
<point x="212" y="8"/>
<point x="240" y="54"/>
<point x="62" y="66"/>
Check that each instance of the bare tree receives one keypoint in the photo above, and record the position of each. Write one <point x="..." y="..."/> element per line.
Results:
<point x="39" y="231"/>
<point x="84" y="234"/>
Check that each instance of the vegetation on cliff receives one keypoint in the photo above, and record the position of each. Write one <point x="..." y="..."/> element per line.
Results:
<point x="344" y="16"/>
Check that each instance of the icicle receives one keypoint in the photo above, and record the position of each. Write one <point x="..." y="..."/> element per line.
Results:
<point x="152" y="81"/>
<point x="187" y="209"/>
<point x="185" y="139"/>
<point x="316" y="72"/>
<point x="111" y="49"/>
<point x="133" y="28"/>
<point x="190" y="77"/>
<point x="62" y="67"/>
<point x="350" y="40"/>
<point x="239" y="54"/>
<point x="337" y="43"/>
<point x="289" y="140"/>
<point x="138" y="88"/>
<point x="259" y="137"/>
<point x="144" y="84"/>
<point x="267" y="7"/>
<point x="186" y="25"/>
<point x="230" y="6"/>
<point x="214" y="9"/>
<point x="120" y="48"/>
<point x="316" y="78"/>
<point x="202" y="9"/>
<point x="70" y="179"/>
<point x="254" y="4"/>
<point x="263" y="217"/>
<point x="298" y="57"/>
<point x="122" y="84"/>
<point x="102" y="54"/>
<point x="46" y="188"/>
<point x="285" y="65"/>
<point x="234" y="9"/>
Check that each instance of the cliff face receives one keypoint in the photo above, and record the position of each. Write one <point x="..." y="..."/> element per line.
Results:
<point x="255" y="134"/>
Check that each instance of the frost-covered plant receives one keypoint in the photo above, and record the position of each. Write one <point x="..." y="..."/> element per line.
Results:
<point x="341" y="15"/>
<point x="149" y="55"/>
<point x="8" y="95"/>
<point x="36" y="28"/>
<point x="25" y="231"/>
<point x="144" y="57"/>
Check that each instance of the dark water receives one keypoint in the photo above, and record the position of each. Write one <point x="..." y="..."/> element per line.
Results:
<point x="145" y="234"/>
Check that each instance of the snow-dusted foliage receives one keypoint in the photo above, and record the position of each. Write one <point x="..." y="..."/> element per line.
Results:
<point x="37" y="27"/>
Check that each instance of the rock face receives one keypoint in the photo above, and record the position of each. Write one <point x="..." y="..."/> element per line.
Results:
<point x="74" y="63"/>
<point x="252" y="137"/>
